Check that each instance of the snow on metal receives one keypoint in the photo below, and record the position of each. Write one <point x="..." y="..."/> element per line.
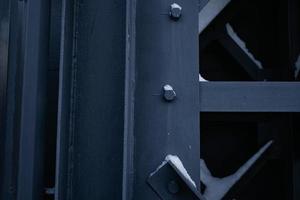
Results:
<point x="297" y="66"/>
<point x="201" y="79"/>
<point x="242" y="45"/>
<point x="179" y="166"/>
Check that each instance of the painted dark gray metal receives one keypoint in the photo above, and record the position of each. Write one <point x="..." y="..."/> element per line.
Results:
<point x="33" y="100"/>
<point x="8" y="111"/>
<point x="4" y="38"/>
<point x="4" y="41"/>
<point x="145" y="52"/>
<point x="249" y="97"/>
<point x="166" y="53"/>
<point x="129" y="102"/>
<point x="91" y="100"/>
<point x="64" y="116"/>
<point x="241" y="57"/>
<point x="243" y="182"/>
<point x="22" y="158"/>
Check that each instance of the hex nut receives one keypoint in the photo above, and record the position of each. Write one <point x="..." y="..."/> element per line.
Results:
<point x="169" y="93"/>
<point x="173" y="187"/>
<point x="175" y="11"/>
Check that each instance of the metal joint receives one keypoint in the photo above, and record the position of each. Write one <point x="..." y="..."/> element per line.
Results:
<point x="170" y="184"/>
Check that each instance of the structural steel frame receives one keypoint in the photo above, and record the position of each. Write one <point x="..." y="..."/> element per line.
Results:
<point x="113" y="126"/>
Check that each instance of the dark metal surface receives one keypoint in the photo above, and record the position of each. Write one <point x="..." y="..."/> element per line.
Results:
<point x="91" y="100"/>
<point x="63" y="161"/>
<point x="33" y="100"/>
<point x="95" y="61"/>
<point x="4" y="37"/>
<point x="166" y="53"/>
<point x="115" y="122"/>
<point x="241" y="57"/>
<point x="249" y="97"/>
<point x="129" y="101"/>
<point x="22" y="161"/>
<point x="5" y="138"/>
<point x="244" y="181"/>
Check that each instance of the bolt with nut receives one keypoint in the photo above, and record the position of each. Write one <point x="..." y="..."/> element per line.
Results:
<point x="173" y="187"/>
<point x="169" y="93"/>
<point x="175" y="11"/>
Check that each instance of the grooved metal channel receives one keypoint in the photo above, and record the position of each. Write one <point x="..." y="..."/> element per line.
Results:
<point x="91" y="100"/>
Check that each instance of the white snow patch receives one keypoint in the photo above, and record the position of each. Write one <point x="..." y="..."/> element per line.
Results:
<point x="168" y="87"/>
<point x="242" y="44"/>
<point x="201" y="79"/>
<point x="178" y="164"/>
<point x="216" y="188"/>
<point x="210" y="11"/>
<point x="175" y="5"/>
<point x="297" y="67"/>
<point x="158" y="168"/>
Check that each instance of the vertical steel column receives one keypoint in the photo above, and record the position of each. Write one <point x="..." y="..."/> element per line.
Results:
<point x="22" y="166"/>
<point x="4" y="42"/>
<point x="91" y="100"/>
<point x="166" y="53"/>
<point x="4" y="37"/>
<point x="62" y="184"/>
<point x="10" y="129"/>
<point x="105" y="144"/>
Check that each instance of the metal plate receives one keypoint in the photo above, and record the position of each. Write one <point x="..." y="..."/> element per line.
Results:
<point x="170" y="184"/>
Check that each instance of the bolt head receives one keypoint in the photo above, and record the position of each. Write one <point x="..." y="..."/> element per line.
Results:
<point x="173" y="187"/>
<point x="175" y="11"/>
<point x="169" y="93"/>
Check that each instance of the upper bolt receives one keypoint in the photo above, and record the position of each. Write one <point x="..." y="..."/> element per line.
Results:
<point x="175" y="11"/>
<point x="173" y="187"/>
<point x="169" y="93"/>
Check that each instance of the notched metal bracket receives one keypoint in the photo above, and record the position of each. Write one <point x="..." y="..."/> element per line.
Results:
<point x="170" y="184"/>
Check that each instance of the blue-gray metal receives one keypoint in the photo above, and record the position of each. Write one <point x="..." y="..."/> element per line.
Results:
<point x="91" y="100"/>
<point x="4" y="37"/>
<point x="243" y="58"/>
<point x="249" y="97"/>
<point x="4" y="41"/>
<point x="114" y="126"/>
<point x="142" y="47"/>
<point x="170" y="183"/>
<point x="22" y="163"/>
<point x="166" y="53"/>
<point x="33" y="101"/>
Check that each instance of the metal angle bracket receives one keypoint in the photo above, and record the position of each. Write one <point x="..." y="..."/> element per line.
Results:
<point x="170" y="184"/>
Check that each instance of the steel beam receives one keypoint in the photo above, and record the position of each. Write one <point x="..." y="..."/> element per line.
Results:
<point x="91" y="100"/>
<point x="64" y="114"/>
<point x="4" y="38"/>
<point x="242" y="56"/>
<point x="111" y="136"/>
<point x="22" y="161"/>
<point x="166" y="53"/>
<point x="209" y="11"/>
<point x="7" y="96"/>
<point x="249" y="97"/>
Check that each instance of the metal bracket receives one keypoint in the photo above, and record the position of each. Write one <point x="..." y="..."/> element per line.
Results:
<point x="170" y="184"/>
